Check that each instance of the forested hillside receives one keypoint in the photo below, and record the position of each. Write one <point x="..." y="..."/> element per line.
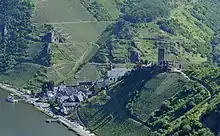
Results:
<point x="15" y="28"/>
<point x="23" y="48"/>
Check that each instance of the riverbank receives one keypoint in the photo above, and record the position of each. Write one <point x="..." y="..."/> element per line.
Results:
<point x="80" y="130"/>
<point x="10" y="89"/>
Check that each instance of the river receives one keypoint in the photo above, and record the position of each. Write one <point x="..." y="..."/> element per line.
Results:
<point x="21" y="119"/>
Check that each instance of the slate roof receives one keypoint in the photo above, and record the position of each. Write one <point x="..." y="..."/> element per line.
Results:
<point x="117" y="72"/>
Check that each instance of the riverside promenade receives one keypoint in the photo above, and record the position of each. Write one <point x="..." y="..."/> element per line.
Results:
<point x="77" y="128"/>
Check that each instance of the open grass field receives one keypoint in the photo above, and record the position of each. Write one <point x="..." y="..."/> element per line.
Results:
<point x="58" y="11"/>
<point x="65" y="68"/>
<point x="53" y="76"/>
<point x="64" y="58"/>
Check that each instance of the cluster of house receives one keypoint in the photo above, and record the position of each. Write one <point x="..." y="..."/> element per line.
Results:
<point x="67" y="97"/>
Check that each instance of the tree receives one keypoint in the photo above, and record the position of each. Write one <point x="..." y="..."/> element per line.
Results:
<point x="47" y="86"/>
<point x="44" y="56"/>
<point x="145" y="10"/>
<point x="15" y="16"/>
<point x="146" y="61"/>
<point x="186" y="129"/>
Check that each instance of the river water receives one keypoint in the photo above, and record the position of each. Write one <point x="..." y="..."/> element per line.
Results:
<point x="21" y="119"/>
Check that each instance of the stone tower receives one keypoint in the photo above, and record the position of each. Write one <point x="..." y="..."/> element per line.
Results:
<point x="161" y="55"/>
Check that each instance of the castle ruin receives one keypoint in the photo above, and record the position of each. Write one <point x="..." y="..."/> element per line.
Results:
<point x="164" y="63"/>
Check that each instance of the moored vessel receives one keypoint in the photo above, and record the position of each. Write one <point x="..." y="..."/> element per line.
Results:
<point x="11" y="99"/>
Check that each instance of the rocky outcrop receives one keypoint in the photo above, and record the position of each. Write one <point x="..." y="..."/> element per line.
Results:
<point x="135" y="55"/>
<point x="53" y="37"/>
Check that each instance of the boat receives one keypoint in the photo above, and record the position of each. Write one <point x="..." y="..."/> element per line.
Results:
<point x="11" y="99"/>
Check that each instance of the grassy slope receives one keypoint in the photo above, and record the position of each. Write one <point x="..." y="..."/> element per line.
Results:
<point x="23" y="72"/>
<point x="110" y="118"/>
<point x="74" y="21"/>
<point x="81" y="28"/>
<point x="87" y="73"/>
<point x="20" y="74"/>
<point x="188" y="31"/>
<point x="177" y="43"/>
<point x="83" y="31"/>
<point x="188" y="107"/>
<point x="111" y="7"/>
<point x="155" y="91"/>
<point x="58" y="11"/>
<point x="67" y="59"/>
<point x="189" y="44"/>
<point x="102" y="9"/>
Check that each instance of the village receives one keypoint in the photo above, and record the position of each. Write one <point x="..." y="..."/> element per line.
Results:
<point x="64" y="99"/>
<point x="61" y="101"/>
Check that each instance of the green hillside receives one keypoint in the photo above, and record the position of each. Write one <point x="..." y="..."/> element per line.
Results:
<point x="60" y="11"/>
<point x="155" y="91"/>
<point x="191" y="112"/>
<point x="166" y="103"/>
<point x="184" y="30"/>
<point x="102" y="10"/>
<point x="159" y="103"/>
<point x="81" y="31"/>
<point x="131" y="100"/>
<point x="24" y="71"/>
<point x="93" y="33"/>
<point x="67" y="59"/>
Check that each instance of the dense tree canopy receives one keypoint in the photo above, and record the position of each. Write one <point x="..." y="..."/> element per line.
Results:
<point x="145" y="10"/>
<point x="15" y="26"/>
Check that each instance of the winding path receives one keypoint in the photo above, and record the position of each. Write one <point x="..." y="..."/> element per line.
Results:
<point x="207" y="86"/>
<point x="78" y="116"/>
<point x="204" y="84"/>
